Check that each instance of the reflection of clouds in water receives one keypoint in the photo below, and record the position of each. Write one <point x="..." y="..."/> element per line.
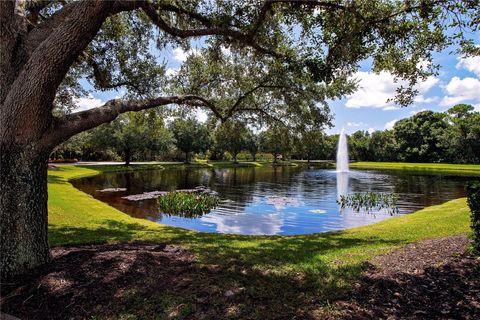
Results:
<point x="319" y="211"/>
<point x="342" y="184"/>
<point x="282" y="202"/>
<point x="261" y="223"/>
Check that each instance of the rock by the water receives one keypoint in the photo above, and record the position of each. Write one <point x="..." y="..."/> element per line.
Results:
<point x="113" y="190"/>
<point x="156" y="194"/>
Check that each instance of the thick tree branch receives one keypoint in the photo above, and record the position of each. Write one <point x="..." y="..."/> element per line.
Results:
<point x="46" y="68"/>
<point x="243" y="96"/>
<point x="194" y="15"/>
<point x="101" y="78"/>
<point x="7" y="40"/>
<point x="74" y="123"/>
<point x="230" y="34"/>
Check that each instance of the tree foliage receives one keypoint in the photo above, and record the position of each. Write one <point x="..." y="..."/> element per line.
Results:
<point x="232" y="136"/>
<point x="190" y="136"/>
<point x="427" y="136"/>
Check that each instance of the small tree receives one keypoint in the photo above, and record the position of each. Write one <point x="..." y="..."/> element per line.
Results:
<point x="232" y="136"/>
<point x="311" y="144"/>
<point x="132" y="133"/>
<point x="277" y="140"/>
<point x="190" y="136"/>
<point x="253" y="144"/>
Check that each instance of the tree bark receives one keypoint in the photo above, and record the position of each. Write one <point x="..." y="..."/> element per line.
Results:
<point x="128" y="156"/>
<point x="23" y="209"/>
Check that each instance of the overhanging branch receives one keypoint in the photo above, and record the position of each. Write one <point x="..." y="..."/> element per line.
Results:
<point x="74" y="123"/>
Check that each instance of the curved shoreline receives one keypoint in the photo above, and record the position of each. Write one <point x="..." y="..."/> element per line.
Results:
<point x="67" y="173"/>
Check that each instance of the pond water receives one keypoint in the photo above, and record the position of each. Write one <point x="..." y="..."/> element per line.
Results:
<point x="273" y="200"/>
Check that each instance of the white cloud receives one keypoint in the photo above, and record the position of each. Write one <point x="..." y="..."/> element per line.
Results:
<point x="87" y="103"/>
<point x="424" y="86"/>
<point x="389" y="108"/>
<point x="471" y="64"/>
<point x="171" y="72"/>
<point x="476" y="107"/>
<point x="371" y="130"/>
<point x="459" y="90"/>
<point x="389" y="125"/>
<point x="181" y="55"/>
<point x="422" y="99"/>
<point x="375" y="90"/>
<point x="356" y="124"/>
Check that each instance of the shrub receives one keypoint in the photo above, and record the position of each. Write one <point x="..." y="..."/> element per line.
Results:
<point x="370" y="201"/>
<point x="188" y="204"/>
<point x="473" y="194"/>
<point x="264" y="156"/>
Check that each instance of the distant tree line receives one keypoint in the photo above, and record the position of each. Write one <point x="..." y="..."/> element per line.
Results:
<point x="452" y="136"/>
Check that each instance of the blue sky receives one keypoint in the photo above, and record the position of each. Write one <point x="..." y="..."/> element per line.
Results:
<point x="367" y="109"/>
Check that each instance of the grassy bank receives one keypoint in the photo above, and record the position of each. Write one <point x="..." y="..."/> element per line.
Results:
<point x="329" y="260"/>
<point x="443" y="168"/>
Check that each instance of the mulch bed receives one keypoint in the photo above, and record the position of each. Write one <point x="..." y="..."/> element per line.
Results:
<point x="86" y="280"/>
<point x="429" y="279"/>
<point x="145" y="281"/>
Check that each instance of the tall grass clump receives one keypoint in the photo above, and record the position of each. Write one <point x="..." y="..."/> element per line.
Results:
<point x="187" y="204"/>
<point x="366" y="202"/>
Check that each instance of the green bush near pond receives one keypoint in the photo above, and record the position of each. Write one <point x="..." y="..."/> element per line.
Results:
<point x="473" y="199"/>
<point x="366" y="202"/>
<point x="188" y="204"/>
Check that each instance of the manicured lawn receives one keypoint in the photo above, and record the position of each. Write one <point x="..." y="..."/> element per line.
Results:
<point x="327" y="260"/>
<point x="444" y="168"/>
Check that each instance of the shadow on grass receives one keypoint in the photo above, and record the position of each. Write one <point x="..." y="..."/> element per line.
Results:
<point x="308" y="258"/>
<point x="53" y="179"/>
<point x="138" y="281"/>
<point x="268" y="250"/>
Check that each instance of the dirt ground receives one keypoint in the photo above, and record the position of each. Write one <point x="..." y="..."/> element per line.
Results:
<point x="428" y="279"/>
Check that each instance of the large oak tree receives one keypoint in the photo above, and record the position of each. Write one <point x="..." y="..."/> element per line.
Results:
<point x="288" y="56"/>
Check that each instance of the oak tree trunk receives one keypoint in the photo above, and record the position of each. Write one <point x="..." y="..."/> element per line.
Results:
<point x="128" y="156"/>
<point x="23" y="209"/>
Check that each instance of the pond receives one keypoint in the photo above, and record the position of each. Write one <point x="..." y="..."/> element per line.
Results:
<point x="273" y="200"/>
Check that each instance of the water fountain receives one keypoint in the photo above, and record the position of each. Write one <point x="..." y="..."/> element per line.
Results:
<point x="342" y="165"/>
<point x="342" y="153"/>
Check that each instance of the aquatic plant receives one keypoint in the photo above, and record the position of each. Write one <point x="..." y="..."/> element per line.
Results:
<point x="187" y="204"/>
<point x="369" y="201"/>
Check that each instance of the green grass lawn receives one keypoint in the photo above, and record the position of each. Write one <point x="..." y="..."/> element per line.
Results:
<point x="330" y="260"/>
<point x="443" y="168"/>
